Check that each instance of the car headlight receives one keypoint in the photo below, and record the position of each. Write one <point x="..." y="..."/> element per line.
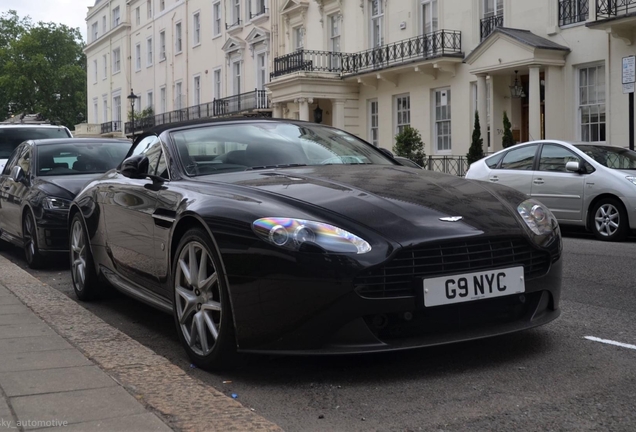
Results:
<point x="538" y="217"/>
<point x="292" y="233"/>
<point x="631" y="179"/>
<point x="56" y="203"/>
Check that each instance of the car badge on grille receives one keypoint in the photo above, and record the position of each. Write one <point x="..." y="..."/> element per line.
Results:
<point x="451" y="219"/>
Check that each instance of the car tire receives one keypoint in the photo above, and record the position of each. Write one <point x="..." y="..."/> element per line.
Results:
<point x="609" y="220"/>
<point x="86" y="283"/>
<point x="32" y="253"/>
<point x="202" y="310"/>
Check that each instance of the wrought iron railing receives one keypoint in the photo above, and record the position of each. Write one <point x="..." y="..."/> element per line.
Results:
<point x="259" y="12"/>
<point x="573" y="11"/>
<point x="242" y="103"/>
<point x="456" y="165"/>
<point x="232" y="25"/>
<point x="111" y="126"/>
<point x="614" y="8"/>
<point x="431" y="45"/>
<point x="489" y="24"/>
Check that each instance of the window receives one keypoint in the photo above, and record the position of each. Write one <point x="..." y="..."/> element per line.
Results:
<point x="261" y="8"/>
<point x="443" y="120"/>
<point x="94" y="31"/>
<point x="520" y="158"/>
<point x="493" y="161"/>
<point x="298" y="38"/>
<point x="105" y="63"/>
<point x="162" y="45"/>
<point x="493" y="8"/>
<point x="177" y="38"/>
<point x="334" y="33"/>
<point x="197" y="90"/>
<point x="236" y="12"/>
<point x="137" y="16"/>
<point x="150" y="99"/>
<point x="217" y="84"/>
<point x="116" y="60"/>
<point x="261" y="70"/>
<point x="402" y="112"/>
<point x="162" y="5"/>
<point x="95" y="71"/>
<point x="163" y="99"/>
<point x="236" y="77"/>
<point x="429" y="16"/>
<point x="216" y="12"/>
<point x="197" y="28"/>
<point x="117" y="113"/>
<point x="377" y="19"/>
<point x="138" y="57"/>
<point x="554" y="157"/>
<point x="150" y="58"/>
<point x="95" y="111"/>
<point x="105" y="108"/>
<point x="149" y="8"/>
<point x="492" y="17"/>
<point x="573" y="11"/>
<point x="104" y="24"/>
<point x="592" y="103"/>
<point x="116" y="17"/>
<point x="152" y="149"/>
<point x="178" y="99"/>
<point x="373" y="123"/>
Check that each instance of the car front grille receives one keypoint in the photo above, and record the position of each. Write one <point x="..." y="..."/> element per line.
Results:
<point x="403" y="274"/>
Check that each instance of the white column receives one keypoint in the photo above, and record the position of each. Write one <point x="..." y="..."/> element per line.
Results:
<point x="338" y="113"/>
<point x="482" y="109"/>
<point x="303" y="108"/>
<point x="534" y="110"/>
<point x="277" y="110"/>
<point x="556" y="126"/>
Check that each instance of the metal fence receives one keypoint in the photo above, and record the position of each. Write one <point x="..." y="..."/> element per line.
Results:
<point x="489" y="24"/>
<point x="456" y="165"/>
<point x="573" y="11"/>
<point x="111" y="126"/>
<point x="614" y="8"/>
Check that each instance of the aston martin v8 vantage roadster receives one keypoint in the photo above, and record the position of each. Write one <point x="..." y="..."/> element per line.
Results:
<point x="282" y="236"/>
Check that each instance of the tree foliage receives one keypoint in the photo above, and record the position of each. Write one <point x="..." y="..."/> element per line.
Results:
<point x="476" y="149"/>
<point x="42" y="70"/>
<point x="508" y="139"/>
<point x="408" y="144"/>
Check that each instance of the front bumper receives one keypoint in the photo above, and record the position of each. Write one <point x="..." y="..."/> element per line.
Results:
<point x="53" y="231"/>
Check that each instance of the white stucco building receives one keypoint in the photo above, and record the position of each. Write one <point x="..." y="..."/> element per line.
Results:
<point x="373" y="66"/>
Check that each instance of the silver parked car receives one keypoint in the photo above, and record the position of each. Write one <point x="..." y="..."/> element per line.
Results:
<point x="586" y="184"/>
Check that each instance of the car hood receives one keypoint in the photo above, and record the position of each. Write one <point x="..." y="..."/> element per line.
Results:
<point x="402" y="204"/>
<point x="64" y="186"/>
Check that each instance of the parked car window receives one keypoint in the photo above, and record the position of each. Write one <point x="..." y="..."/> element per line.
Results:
<point x="555" y="157"/>
<point x="143" y="145"/>
<point x="611" y="157"/>
<point x="72" y="158"/>
<point x="25" y="160"/>
<point x="11" y="137"/>
<point x="521" y="158"/>
<point x="493" y="161"/>
<point x="12" y="161"/>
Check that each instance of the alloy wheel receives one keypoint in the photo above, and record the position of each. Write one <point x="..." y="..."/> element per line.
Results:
<point x="78" y="255"/>
<point x="29" y="237"/>
<point x="607" y="220"/>
<point x="198" y="298"/>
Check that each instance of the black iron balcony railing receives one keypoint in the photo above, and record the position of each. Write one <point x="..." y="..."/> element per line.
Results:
<point x="432" y="45"/>
<point x="261" y="11"/>
<point x="241" y="103"/>
<point x="232" y="25"/>
<point x="573" y="11"/>
<point x="489" y="24"/>
<point x="456" y="165"/>
<point x="614" y="8"/>
<point x="111" y="126"/>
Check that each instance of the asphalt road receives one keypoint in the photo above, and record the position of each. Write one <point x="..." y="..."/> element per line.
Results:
<point x="550" y="378"/>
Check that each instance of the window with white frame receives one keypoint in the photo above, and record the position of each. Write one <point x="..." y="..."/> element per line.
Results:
<point x="573" y="11"/>
<point x="376" y="8"/>
<point x="261" y="70"/>
<point x="298" y="38"/>
<point x="443" y="120"/>
<point x="492" y="8"/>
<point x="261" y="6"/>
<point x="116" y="17"/>
<point x="236" y="12"/>
<point x="104" y="108"/>
<point x="591" y="95"/>
<point x="248" y="10"/>
<point x="177" y="38"/>
<point x="149" y="9"/>
<point x="334" y="32"/>
<point x="374" y="122"/>
<point x="216" y="16"/>
<point x="95" y="111"/>
<point x="162" y="45"/>
<point x="96" y="71"/>
<point x="236" y="77"/>
<point x="402" y="109"/>
<point x="196" y="89"/>
<point x="116" y="111"/>
<point x="105" y="66"/>
<point x="429" y="16"/>
<point x="217" y="84"/>
<point x="149" y="56"/>
<point x="178" y="96"/>
<point x="162" y="5"/>
<point x="104" y="24"/>
<point x="94" y="31"/>
<point x="150" y="99"/>
<point x="116" y="60"/>
<point x="196" y="28"/>
<point x="138" y="57"/>
<point x="137" y="15"/>
<point x="163" y="99"/>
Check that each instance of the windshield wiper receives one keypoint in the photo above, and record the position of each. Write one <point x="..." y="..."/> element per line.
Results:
<point x="293" y="165"/>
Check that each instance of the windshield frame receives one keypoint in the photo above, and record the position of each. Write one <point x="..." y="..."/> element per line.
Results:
<point x="620" y="151"/>
<point x="77" y="144"/>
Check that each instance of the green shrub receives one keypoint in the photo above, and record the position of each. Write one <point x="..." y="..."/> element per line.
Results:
<point x="408" y="144"/>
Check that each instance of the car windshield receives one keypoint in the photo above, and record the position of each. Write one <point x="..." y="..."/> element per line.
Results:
<point x="611" y="157"/>
<point x="11" y="137"/>
<point x="217" y="149"/>
<point x="80" y="158"/>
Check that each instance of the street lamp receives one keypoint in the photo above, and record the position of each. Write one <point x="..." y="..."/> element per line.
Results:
<point x="516" y="90"/>
<point x="132" y="97"/>
<point x="318" y="113"/>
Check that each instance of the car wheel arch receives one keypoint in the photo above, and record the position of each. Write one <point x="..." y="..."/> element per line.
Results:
<point x="589" y="215"/>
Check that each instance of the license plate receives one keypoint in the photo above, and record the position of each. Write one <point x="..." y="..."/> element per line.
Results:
<point x="473" y="286"/>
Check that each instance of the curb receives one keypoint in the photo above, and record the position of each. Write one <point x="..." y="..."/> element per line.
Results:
<point x="182" y="402"/>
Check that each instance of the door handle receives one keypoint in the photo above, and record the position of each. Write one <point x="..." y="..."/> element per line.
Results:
<point x="494" y="179"/>
<point x="538" y="181"/>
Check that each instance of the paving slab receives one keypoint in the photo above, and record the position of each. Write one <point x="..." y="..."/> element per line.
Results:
<point x="26" y="330"/>
<point x="33" y="344"/>
<point x="13" y="319"/>
<point x="9" y="300"/>
<point x="54" y="380"/>
<point x="138" y="423"/>
<point x="5" y="412"/>
<point x="5" y="292"/>
<point x="77" y="406"/>
<point x="14" y="362"/>
<point x="14" y="309"/>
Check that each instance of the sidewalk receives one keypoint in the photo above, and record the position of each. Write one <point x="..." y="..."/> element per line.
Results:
<point x="64" y="369"/>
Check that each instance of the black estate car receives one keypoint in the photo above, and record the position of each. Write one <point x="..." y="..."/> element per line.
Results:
<point x="38" y="183"/>
<point x="281" y="236"/>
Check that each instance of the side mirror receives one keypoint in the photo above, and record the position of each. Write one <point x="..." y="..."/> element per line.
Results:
<point x="17" y="174"/>
<point x="135" y="167"/>
<point x="573" y="167"/>
<point x="386" y="152"/>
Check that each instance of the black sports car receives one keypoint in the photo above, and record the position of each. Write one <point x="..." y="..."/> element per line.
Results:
<point x="38" y="183"/>
<point x="290" y="237"/>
